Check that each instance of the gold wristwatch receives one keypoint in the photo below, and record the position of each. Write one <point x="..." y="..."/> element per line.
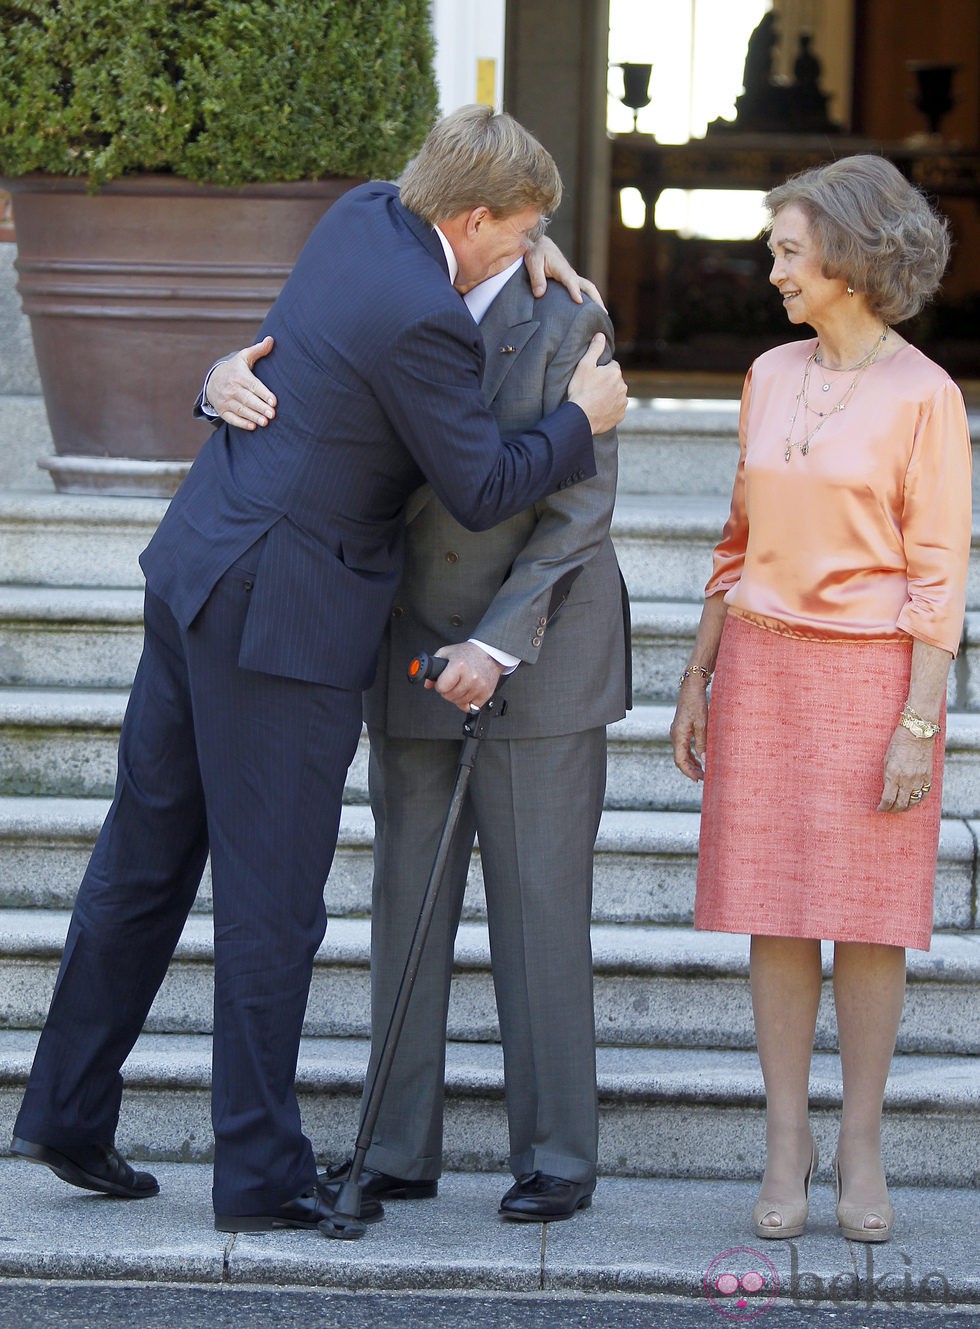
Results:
<point x="916" y="725"/>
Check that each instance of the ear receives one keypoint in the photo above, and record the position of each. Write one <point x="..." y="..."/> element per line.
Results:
<point x="475" y="220"/>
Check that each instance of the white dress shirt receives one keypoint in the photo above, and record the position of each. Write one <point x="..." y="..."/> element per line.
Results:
<point x="478" y="301"/>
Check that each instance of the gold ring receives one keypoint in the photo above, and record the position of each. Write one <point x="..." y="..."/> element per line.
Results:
<point x="915" y="795"/>
<point x="927" y="787"/>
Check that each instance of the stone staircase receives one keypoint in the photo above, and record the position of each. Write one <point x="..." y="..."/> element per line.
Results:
<point x="680" y="1089"/>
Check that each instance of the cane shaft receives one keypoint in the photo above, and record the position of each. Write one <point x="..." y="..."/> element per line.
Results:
<point x="390" y="1046"/>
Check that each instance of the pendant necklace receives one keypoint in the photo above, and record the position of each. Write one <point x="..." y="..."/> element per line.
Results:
<point x="857" y="370"/>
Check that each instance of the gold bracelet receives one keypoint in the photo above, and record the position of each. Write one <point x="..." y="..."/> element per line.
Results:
<point x="916" y="724"/>
<point x="693" y="671"/>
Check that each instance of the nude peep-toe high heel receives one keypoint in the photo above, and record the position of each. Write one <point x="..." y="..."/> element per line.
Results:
<point x="792" y="1215"/>
<point x="853" y="1218"/>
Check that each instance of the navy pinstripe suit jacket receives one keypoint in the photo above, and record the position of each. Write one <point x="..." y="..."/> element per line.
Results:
<point x="378" y="371"/>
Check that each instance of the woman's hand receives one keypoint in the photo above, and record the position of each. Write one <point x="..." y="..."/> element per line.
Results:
<point x="544" y="259"/>
<point x="908" y="761"/>
<point x="908" y="771"/>
<point x="689" y="729"/>
<point x="236" y="394"/>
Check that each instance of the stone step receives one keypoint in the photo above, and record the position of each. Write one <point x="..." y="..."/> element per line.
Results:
<point x="642" y="772"/>
<point x="52" y="636"/>
<point x="678" y="446"/>
<point x="640" y="1257"/>
<point x="644" y="868"/>
<point x="663" y="1112"/>
<point x="62" y="743"/>
<point x="49" y="539"/>
<point x="18" y="366"/>
<point x="645" y="863"/>
<point x="25" y="436"/>
<point x="654" y="986"/>
<point x="91" y="637"/>
<point x="665" y="542"/>
<point x="56" y="741"/>
<point x="675" y="445"/>
<point x="667" y="445"/>
<point x="663" y="637"/>
<point x="62" y="540"/>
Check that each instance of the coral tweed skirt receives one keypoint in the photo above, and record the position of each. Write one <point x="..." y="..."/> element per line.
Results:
<point x="791" y="844"/>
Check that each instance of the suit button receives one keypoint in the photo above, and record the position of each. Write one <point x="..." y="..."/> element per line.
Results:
<point x="397" y="612"/>
<point x="452" y="558"/>
<point x="456" y="620"/>
<point x="247" y="585"/>
<point x="535" y="641"/>
<point x="542" y="622"/>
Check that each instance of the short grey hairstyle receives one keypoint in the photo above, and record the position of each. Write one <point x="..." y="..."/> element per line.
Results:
<point x="877" y="231"/>
<point x="477" y="157"/>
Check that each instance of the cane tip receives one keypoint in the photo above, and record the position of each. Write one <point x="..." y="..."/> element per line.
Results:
<point x="342" y="1227"/>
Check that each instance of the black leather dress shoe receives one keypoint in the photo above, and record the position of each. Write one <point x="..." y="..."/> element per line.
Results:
<point x="305" y="1211"/>
<point x="538" y="1198"/>
<point x="379" y="1184"/>
<point x="94" y="1167"/>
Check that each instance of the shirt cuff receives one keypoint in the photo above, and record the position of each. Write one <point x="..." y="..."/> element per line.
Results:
<point x="509" y="662"/>
<point x="206" y="407"/>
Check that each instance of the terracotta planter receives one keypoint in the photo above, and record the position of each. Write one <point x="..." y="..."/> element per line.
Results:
<point x="131" y="294"/>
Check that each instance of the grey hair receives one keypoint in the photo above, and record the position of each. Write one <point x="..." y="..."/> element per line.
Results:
<point x="876" y="231"/>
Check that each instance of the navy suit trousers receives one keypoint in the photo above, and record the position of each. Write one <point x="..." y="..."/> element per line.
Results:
<point x="252" y="767"/>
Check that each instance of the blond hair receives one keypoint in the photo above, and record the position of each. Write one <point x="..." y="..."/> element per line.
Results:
<point x="478" y="158"/>
<point x="877" y="231"/>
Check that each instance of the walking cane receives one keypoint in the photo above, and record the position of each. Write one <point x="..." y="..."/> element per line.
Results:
<point x="345" y="1222"/>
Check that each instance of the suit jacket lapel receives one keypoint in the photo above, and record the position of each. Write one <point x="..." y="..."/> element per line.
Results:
<point x="507" y="327"/>
<point x="427" y="238"/>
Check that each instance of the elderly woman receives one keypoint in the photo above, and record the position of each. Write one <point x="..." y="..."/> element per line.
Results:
<point x="834" y="608"/>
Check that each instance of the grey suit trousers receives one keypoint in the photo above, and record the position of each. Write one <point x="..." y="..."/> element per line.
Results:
<point x="540" y="801"/>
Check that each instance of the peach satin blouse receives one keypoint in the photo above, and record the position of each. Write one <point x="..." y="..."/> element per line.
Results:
<point x="867" y="537"/>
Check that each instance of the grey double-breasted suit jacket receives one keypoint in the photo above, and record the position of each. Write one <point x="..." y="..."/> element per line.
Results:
<point x="534" y="801"/>
<point x="499" y="585"/>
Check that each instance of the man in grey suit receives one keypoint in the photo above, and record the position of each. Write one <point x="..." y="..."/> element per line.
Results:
<point x="536" y="793"/>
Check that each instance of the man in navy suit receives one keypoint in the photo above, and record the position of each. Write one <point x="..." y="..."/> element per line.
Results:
<point x="269" y="583"/>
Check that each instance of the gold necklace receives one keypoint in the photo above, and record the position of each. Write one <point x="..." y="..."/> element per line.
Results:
<point x="803" y="395"/>
<point x="849" y="369"/>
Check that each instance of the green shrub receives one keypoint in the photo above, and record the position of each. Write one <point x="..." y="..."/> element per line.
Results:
<point x="226" y="91"/>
